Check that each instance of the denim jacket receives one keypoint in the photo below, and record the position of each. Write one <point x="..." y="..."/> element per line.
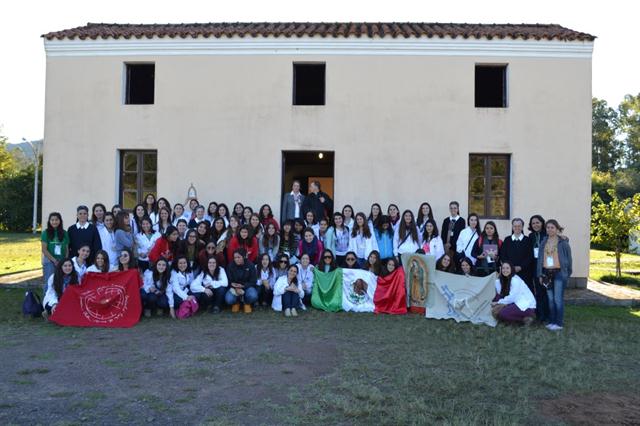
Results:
<point x="564" y="256"/>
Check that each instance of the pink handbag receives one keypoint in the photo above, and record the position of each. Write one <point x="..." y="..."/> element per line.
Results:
<point x="187" y="309"/>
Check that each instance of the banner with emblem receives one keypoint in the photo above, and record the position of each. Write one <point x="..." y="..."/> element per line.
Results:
<point x="461" y="298"/>
<point x="358" y="288"/>
<point x="102" y="300"/>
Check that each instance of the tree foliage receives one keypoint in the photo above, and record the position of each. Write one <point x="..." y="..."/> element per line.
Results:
<point x="629" y="112"/>
<point x="8" y="164"/>
<point x="612" y="222"/>
<point x="16" y="200"/>
<point x="606" y="149"/>
<point x="615" y="137"/>
<point x="16" y="190"/>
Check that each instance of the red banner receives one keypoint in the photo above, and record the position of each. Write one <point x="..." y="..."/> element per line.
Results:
<point x="102" y="300"/>
<point x="391" y="295"/>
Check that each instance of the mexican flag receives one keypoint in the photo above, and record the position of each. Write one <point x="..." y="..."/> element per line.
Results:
<point x="327" y="290"/>
<point x="354" y="290"/>
<point x="391" y="295"/>
<point x="102" y="300"/>
<point x="358" y="289"/>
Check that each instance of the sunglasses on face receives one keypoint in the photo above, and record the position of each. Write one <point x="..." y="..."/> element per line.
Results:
<point x="327" y="257"/>
<point x="283" y="261"/>
<point x="350" y="259"/>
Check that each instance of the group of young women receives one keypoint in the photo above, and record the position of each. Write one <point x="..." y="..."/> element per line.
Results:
<point x="243" y="258"/>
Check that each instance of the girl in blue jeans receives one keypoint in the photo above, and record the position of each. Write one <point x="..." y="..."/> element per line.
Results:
<point x="553" y="271"/>
<point x="154" y="289"/>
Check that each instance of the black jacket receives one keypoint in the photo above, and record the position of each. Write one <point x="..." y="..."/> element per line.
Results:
<point x="245" y="274"/>
<point x="457" y="228"/>
<point x="79" y="237"/>
<point x="519" y="253"/>
<point x="320" y="210"/>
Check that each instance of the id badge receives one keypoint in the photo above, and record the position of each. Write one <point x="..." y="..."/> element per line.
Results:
<point x="549" y="261"/>
<point x="57" y="250"/>
<point x="535" y="252"/>
<point x="451" y="233"/>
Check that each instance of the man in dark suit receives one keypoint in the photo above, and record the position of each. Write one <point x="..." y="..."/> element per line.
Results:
<point x="292" y="204"/>
<point x="318" y="202"/>
<point x="451" y="228"/>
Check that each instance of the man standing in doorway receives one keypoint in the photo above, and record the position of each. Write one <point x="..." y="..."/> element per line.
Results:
<point x="317" y="202"/>
<point x="292" y="204"/>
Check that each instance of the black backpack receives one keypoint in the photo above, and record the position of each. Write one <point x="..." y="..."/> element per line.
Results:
<point x="32" y="305"/>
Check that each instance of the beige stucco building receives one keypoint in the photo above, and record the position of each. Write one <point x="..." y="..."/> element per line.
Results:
<point x="401" y="121"/>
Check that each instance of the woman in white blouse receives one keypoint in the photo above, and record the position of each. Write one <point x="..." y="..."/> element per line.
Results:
<point x="266" y="279"/>
<point x="155" y="287"/>
<point x="468" y="237"/>
<point x="80" y="261"/>
<point x="305" y="276"/>
<point x="288" y="293"/>
<point x="362" y="241"/>
<point x="145" y="239"/>
<point x="101" y="263"/>
<point x="210" y="286"/>
<point x="406" y="238"/>
<point x="178" y="289"/>
<point x="514" y="302"/>
<point x="431" y="241"/>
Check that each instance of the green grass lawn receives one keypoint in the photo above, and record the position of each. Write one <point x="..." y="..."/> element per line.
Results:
<point x="19" y="252"/>
<point x="603" y="268"/>
<point x="384" y="370"/>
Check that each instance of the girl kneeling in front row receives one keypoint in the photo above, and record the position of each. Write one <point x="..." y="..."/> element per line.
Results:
<point x="288" y="293"/>
<point x="181" y="278"/>
<point x="210" y="286"/>
<point x="64" y="276"/>
<point x="154" y="287"/>
<point x="514" y="302"/>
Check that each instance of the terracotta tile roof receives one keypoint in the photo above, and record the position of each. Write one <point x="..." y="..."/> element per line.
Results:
<point x="322" y="29"/>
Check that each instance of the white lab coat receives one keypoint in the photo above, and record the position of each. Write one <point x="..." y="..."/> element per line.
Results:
<point x="370" y="244"/>
<point x="278" y="291"/>
<point x="519" y="294"/>
<point x="203" y="281"/>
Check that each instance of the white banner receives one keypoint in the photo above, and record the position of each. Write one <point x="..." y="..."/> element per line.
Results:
<point x="461" y="298"/>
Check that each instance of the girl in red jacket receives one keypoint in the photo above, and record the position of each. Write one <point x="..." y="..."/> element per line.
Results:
<point x="266" y="217"/>
<point x="165" y="246"/>
<point x="244" y="239"/>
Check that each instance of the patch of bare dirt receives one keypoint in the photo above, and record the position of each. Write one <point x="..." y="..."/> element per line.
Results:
<point x="225" y="368"/>
<point x="594" y="409"/>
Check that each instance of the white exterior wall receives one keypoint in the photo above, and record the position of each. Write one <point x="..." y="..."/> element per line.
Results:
<point x="402" y="128"/>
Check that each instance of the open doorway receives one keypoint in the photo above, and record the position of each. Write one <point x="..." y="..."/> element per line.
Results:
<point x="307" y="166"/>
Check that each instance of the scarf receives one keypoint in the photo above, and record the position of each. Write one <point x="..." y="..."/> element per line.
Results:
<point x="310" y="248"/>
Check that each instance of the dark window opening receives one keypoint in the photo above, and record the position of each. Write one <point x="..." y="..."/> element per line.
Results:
<point x="489" y="185"/>
<point x="140" y="84"/>
<point x="308" y="84"/>
<point x="491" y="86"/>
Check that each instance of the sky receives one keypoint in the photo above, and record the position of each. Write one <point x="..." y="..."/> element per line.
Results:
<point x="616" y="62"/>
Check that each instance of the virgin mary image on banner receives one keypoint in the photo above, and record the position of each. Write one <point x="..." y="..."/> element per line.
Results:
<point x="417" y="280"/>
